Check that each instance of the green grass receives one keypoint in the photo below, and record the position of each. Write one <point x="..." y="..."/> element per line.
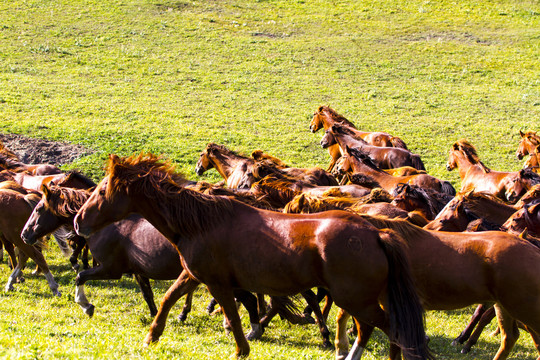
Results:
<point x="170" y="76"/>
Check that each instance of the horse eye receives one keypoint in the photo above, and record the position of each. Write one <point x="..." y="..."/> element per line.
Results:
<point x="102" y="192"/>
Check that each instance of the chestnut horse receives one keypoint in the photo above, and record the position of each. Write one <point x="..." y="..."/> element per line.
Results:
<point x="423" y="200"/>
<point x="528" y="143"/>
<point x="533" y="161"/>
<point x="9" y="163"/>
<point x="509" y="186"/>
<point x="454" y="270"/>
<point x="262" y="251"/>
<point x="15" y="208"/>
<point x="326" y="117"/>
<point x="358" y="162"/>
<point x="383" y="157"/>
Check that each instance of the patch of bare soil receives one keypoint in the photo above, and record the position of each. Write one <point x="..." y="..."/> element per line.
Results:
<point x="39" y="151"/>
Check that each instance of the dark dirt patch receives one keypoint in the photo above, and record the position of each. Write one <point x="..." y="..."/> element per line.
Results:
<point x="39" y="151"/>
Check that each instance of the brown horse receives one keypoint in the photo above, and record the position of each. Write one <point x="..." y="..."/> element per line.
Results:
<point x="15" y="208"/>
<point x="72" y="179"/>
<point x="262" y="251"/>
<point x="310" y="176"/>
<point x="454" y="270"/>
<point x="533" y="161"/>
<point x="326" y="117"/>
<point x="509" y="186"/>
<point x="9" y="163"/>
<point x="383" y="157"/>
<point x="528" y="143"/>
<point x="423" y="200"/>
<point x="359" y="162"/>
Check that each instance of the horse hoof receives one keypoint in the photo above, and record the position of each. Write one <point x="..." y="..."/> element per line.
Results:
<point x="75" y="267"/>
<point x="21" y="279"/>
<point x="182" y="317"/>
<point x="327" y="344"/>
<point x="255" y="333"/>
<point x="57" y="293"/>
<point x="465" y="350"/>
<point x="89" y="310"/>
<point x="308" y="319"/>
<point x="9" y="288"/>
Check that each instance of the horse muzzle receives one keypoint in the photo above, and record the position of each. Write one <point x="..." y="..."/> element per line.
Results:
<point x="80" y="230"/>
<point x="29" y="240"/>
<point x="519" y="156"/>
<point x="199" y="170"/>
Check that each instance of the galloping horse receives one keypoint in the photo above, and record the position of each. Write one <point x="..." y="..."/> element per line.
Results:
<point x="326" y="117"/>
<point x="383" y="157"/>
<point x="454" y="270"/>
<point x="509" y="186"/>
<point x="262" y="251"/>
<point x="359" y="162"/>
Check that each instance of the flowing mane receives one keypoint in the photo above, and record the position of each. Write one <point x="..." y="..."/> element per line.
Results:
<point x="332" y="114"/>
<point x="222" y="150"/>
<point x="156" y="178"/>
<point x="63" y="201"/>
<point x="76" y="175"/>
<point x="341" y="129"/>
<point x="470" y="152"/>
<point x="364" y="158"/>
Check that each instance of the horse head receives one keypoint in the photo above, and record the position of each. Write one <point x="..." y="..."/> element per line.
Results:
<point x="205" y="160"/>
<point x="328" y="139"/>
<point x="529" y="141"/>
<point x="317" y="122"/>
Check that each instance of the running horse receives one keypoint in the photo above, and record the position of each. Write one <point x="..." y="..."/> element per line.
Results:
<point x="359" y="162"/>
<point x="262" y="251"/>
<point x="509" y="186"/>
<point x="455" y="270"/>
<point x="326" y="117"/>
<point x="383" y="157"/>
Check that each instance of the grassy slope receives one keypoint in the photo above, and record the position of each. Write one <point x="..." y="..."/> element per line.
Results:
<point x="170" y="76"/>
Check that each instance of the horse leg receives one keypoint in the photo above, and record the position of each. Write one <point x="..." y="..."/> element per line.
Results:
<point x="250" y="303"/>
<point x="187" y="307"/>
<point x="211" y="306"/>
<point x="466" y="333"/>
<point x="21" y="263"/>
<point x="183" y="285"/>
<point x="96" y="273"/>
<point x="225" y="298"/>
<point x="74" y="258"/>
<point x="535" y="337"/>
<point x="11" y="252"/>
<point x="342" y="339"/>
<point x="148" y="294"/>
<point x="84" y="257"/>
<point x="509" y="332"/>
<point x="484" y="320"/>
<point x="327" y="306"/>
<point x="261" y="305"/>
<point x="270" y="314"/>
<point x="311" y="299"/>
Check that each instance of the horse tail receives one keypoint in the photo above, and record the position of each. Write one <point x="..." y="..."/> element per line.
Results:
<point x="63" y="235"/>
<point x="417" y="162"/>
<point x="447" y="188"/>
<point x="405" y="312"/>
<point x="398" y="143"/>
<point x="288" y="308"/>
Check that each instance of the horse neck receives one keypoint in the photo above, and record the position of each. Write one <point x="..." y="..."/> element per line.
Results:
<point x="346" y="139"/>
<point x="225" y="164"/>
<point x="464" y="165"/>
<point x="492" y="210"/>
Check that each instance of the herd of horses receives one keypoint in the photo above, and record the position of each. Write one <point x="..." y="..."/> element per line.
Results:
<point x="373" y="233"/>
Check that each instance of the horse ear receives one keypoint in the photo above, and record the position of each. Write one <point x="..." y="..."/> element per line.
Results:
<point x="521" y="133"/>
<point x="114" y="159"/>
<point x="45" y="191"/>
<point x="524" y="234"/>
<point x="455" y="146"/>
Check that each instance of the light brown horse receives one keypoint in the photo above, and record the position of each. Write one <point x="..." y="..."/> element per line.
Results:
<point x="533" y="161"/>
<point x="359" y="162"/>
<point x="383" y="157"/>
<point x="529" y="141"/>
<point x="262" y="251"/>
<point x="8" y="163"/>
<point x="454" y="270"/>
<point x="326" y="117"/>
<point x="506" y="185"/>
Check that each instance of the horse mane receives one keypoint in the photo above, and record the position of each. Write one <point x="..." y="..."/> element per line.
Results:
<point x="223" y="150"/>
<point x="532" y="195"/>
<point x="76" y="174"/>
<point x="532" y="137"/>
<point x="364" y="158"/>
<point x="275" y="190"/>
<point x="243" y="196"/>
<point x="364" y="180"/>
<point x="8" y="162"/>
<point x="63" y="201"/>
<point x="403" y="227"/>
<point x="341" y="129"/>
<point x="307" y="204"/>
<point x="259" y="155"/>
<point x="470" y="152"/>
<point x="191" y="212"/>
<point x="332" y="114"/>
<point x="435" y="200"/>
<point x="7" y="152"/>
<point x="530" y="175"/>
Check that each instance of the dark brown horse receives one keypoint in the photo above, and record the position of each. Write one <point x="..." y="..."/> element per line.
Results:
<point x="359" y="162"/>
<point x="262" y="251"/>
<point x="326" y="117"/>
<point x="383" y="157"/>
<point x="506" y="185"/>
<point x="454" y="270"/>
<point x="426" y="201"/>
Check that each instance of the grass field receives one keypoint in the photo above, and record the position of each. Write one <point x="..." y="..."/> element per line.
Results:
<point x="170" y="76"/>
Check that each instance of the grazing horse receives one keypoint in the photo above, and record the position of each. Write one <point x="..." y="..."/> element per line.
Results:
<point x="454" y="270"/>
<point x="359" y="162"/>
<point x="15" y="208"/>
<point x="335" y="250"/>
<point x="8" y="163"/>
<point x="509" y="186"/>
<point x="528" y="143"/>
<point x="383" y="157"/>
<point x="326" y="117"/>
<point x="423" y="200"/>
